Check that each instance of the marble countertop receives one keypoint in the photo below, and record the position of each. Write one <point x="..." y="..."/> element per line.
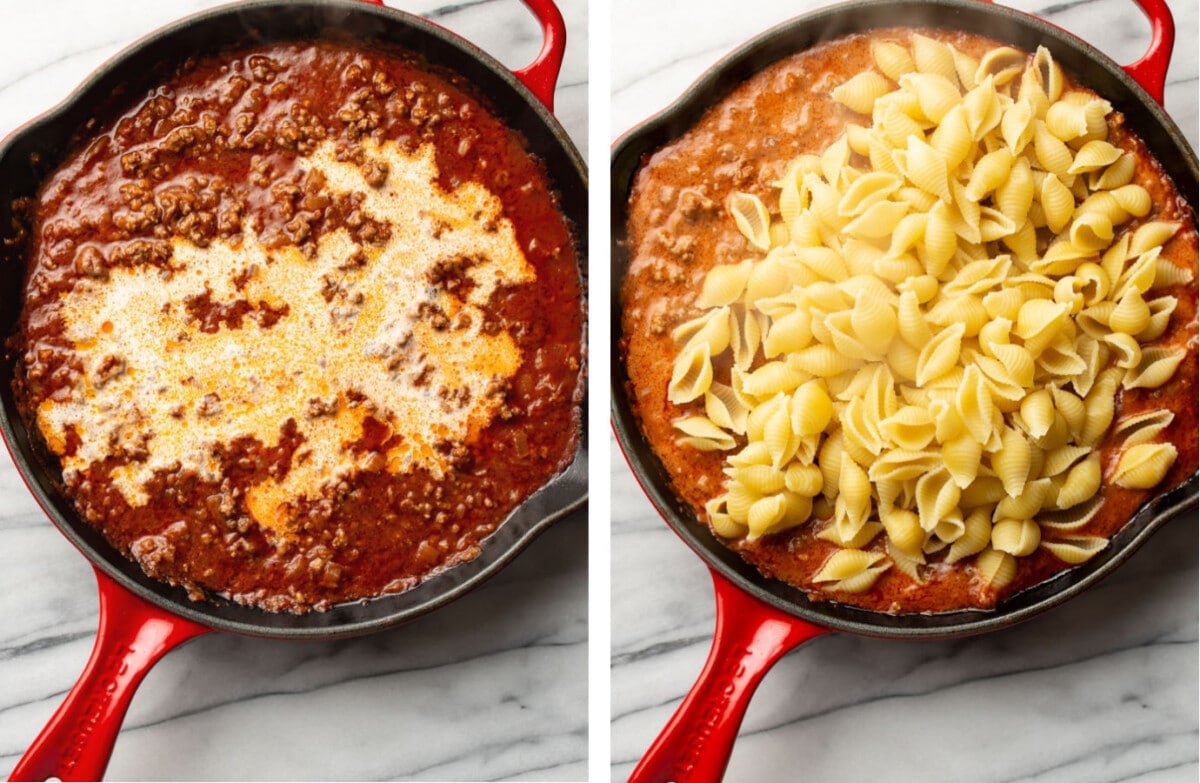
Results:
<point x="493" y="686"/>
<point x="1103" y="688"/>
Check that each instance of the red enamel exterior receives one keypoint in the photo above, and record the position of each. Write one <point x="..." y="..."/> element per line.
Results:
<point x="133" y="634"/>
<point x="749" y="638"/>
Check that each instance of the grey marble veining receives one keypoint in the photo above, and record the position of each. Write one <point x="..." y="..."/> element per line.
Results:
<point x="1103" y="688"/>
<point x="491" y="687"/>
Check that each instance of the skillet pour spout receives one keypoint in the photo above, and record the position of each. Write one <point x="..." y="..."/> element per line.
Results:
<point x="142" y="618"/>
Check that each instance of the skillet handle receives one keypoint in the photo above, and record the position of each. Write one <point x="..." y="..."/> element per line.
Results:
<point x="541" y="75"/>
<point x="1150" y="70"/>
<point x="750" y="637"/>
<point x="78" y="740"/>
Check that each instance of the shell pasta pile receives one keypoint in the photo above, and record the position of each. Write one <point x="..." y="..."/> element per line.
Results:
<point x="924" y="356"/>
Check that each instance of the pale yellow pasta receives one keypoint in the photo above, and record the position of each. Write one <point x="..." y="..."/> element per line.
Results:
<point x="723" y="408"/>
<point x="693" y="374"/>
<point x="1142" y="427"/>
<point x="810" y="409"/>
<point x="996" y="568"/>
<point x="1119" y="173"/>
<point x="1002" y="64"/>
<point x="936" y="94"/>
<point x="1143" y="465"/>
<point x="1057" y="203"/>
<point x="892" y="58"/>
<point x="1016" y="126"/>
<point x="703" y="435"/>
<point x="1012" y="462"/>
<point x="1052" y="154"/>
<point x="940" y="354"/>
<point x="1094" y="155"/>
<point x="851" y="570"/>
<point x="1081" y="483"/>
<point x="724" y="284"/>
<point x="751" y="217"/>
<point x="1156" y="367"/>
<point x="929" y="346"/>
<point x="860" y="91"/>
<point x="952" y="137"/>
<point x="1075" y="549"/>
<point x="933" y="56"/>
<point x="1017" y="537"/>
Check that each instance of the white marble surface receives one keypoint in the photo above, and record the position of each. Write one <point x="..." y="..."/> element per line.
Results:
<point x="1103" y="688"/>
<point x="491" y="687"/>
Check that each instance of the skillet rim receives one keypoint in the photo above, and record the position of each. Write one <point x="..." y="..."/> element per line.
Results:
<point x="336" y="20"/>
<point x="792" y="36"/>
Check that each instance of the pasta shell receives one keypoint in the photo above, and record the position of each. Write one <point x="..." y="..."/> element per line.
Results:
<point x="984" y="111"/>
<point x="1050" y="74"/>
<point x="1156" y="367"/>
<point x="860" y="91"/>
<point x="1094" y="155"/>
<point x="1012" y="462"/>
<point x="811" y="409"/>
<point x="1152" y="234"/>
<point x="1016" y="126"/>
<point x="724" y="409"/>
<point x="1119" y="173"/>
<point x="909" y="428"/>
<point x="940" y="354"/>
<point x="904" y="531"/>
<point x="974" y="404"/>
<point x="1081" y="484"/>
<point x="936" y="94"/>
<point x="1131" y="315"/>
<point x="806" y="480"/>
<point x="892" y="58"/>
<point x="1002" y="64"/>
<point x="1017" y="537"/>
<point x="1052" y="154"/>
<point x="1134" y="199"/>
<point x="933" y="56"/>
<point x="990" y="171"/>
<point x="751" y="217"/>
<point x="962" y="457"/>
<point x="976" y="535"/>
<point x="1014" y="196"/>
<point x="866" y="191"/>
<point x="996" y="569"/>
<point x="765" y="514"/>
<point x="823" y="361"/>
<point x="851" y="570"/>
<point x="703" y="435"/>
<point x="724" y="284"/>
<point x="1076" y="549"/>
<point x="1142" y="427"/>
<point x="952" y="137"/>
<point x="1143" y="465"/>
<point x="926" y="168"/>
<point x="691" y="376"/>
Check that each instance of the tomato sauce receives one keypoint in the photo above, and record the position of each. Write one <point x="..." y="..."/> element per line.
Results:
<point x="303" y="325"/>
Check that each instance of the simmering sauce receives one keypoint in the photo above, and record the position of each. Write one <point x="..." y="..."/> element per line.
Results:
<point x="302" y="326"/>
<point x="679" y="229"/>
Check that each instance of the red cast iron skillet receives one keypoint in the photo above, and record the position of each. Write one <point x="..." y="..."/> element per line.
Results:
<point x="141" y="618"/>
<point x="759" y="619"/>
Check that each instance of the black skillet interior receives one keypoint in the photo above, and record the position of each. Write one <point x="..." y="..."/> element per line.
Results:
<point x="36" y="149"/>
<point x="1083" y="61"/>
